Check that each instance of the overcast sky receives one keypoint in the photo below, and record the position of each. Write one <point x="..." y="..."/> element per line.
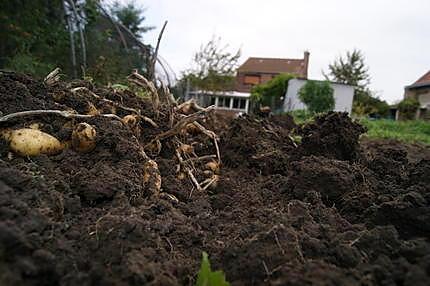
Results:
<point x="394" y="35"/>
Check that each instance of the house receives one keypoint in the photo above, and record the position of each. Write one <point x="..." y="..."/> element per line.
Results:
<point x="252" y="72"/>
<point x="260" y="70"/>
<point x="343" y="95"/>
<point x="225" y="101"/>
<point x="420" y="90"/>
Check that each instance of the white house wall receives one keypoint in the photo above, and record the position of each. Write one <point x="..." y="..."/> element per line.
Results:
<point x="343" y="96"/>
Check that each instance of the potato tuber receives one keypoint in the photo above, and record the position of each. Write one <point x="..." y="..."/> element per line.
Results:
<point x="130" y="120"/>
<point x="84" y="138"/>
<point x="92" y="110"/>
<point x="186" y="149"/>
<point x="152" y="177"/>
<point x="32" y="142"/>
<point x="192" y="129"/>
<point x="213" y="166"/>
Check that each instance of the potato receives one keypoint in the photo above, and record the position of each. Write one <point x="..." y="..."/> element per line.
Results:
<point x="213" y="166"/>
<point x="130" y="120"/>
<point x="186" y="149"/>
<point x="152" y="177"/>
<point x="84" y="138"/>
<point x="186" y="109"/>
<point x="181" y="176"/>
<point x="92" y="110"/>
<point x="192" y="129"/>
<point x="32" y="142"/>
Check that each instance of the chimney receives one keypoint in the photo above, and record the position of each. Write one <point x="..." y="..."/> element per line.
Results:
<point x="306" y="64"/>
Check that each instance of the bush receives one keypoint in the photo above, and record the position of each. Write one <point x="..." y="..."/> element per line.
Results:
<point x="408" y="108"/>
<point x="318" y="96"/>
<point x="301" y="115"/>
<point x="270" y="93"/>
<point x="365" y="104"/>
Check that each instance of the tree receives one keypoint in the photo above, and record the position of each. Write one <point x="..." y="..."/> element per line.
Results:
<point x="112" y="51"/>
<point x="79" y="36"/>
<point x="33" y="37"/>
<point x="318" y="96"/>
<point x="131" y="17"/>
<point x="352" y="70"/>
<point x="213" y="67"/>
<point x="271" y="92"/>
<point x="408" y="108"/>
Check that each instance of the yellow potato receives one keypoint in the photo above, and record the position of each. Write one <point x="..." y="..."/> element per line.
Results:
<point x="92" y="110"/>
<point x="192" y="129"/>
<point x="130" y="120"/>
<point x="84" y="138"/>
<point x="213" y="166"/>
<point x="152" y="177"/>
<point x="186" y="149"/>
<point x="32" y="142"/>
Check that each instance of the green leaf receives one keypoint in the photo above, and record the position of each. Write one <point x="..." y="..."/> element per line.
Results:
<point x="206" y="277"/>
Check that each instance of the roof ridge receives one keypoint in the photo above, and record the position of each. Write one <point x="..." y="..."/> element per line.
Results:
<point x="265" y="58"/>
<point x="424" y="78"/>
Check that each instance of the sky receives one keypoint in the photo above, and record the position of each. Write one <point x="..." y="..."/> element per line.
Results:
<point x="393" y="35"/>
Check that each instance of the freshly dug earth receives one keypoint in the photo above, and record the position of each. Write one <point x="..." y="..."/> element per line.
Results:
<point x="326" y="211"/>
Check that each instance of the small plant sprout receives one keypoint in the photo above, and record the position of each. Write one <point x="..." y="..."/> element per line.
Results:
<point x="207" y="277"/>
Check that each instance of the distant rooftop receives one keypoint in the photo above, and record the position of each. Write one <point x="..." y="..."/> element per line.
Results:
<point x="422" y="81"/>
<point x="276" y="65"/>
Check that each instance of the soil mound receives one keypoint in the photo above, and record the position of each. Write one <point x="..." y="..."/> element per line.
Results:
<point x="333" y="135"/>
<point x="326" y="211"/>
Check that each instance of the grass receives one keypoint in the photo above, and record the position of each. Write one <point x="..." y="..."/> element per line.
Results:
<point x="412" y="131"/>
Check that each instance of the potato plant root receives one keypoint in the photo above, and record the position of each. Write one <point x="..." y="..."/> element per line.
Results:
<point x="331" y="210"/>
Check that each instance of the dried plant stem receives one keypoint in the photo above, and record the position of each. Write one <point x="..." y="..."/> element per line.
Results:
<point x="187" y="170"/>
<point x="63" y="113"/>
<point x="141" y="81"/>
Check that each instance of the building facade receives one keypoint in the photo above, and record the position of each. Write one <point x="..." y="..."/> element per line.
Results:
<point x="252" y="72"/>
<point x="260" y="70"/>
<point x="420" y="90"/>
<point x="343" y="95"/>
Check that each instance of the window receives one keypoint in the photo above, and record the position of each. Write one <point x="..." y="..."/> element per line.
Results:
<point x="213" y="100"/>
<point x="242" y="104"/>
<point x="239" y="103"/>
<point x="224" y="102"/>
<point x="236" y="103"/>
<point x="252" y="79"/>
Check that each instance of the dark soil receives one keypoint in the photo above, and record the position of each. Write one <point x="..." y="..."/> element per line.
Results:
<point x="326" y="211"/>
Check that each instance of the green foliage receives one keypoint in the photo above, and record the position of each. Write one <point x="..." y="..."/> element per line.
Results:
<point x="213" y="68"/>
<point x="131" y="17"/>
<point x="408" y="108"/>
<point x="407" y="131"/>
<point x="270" y="93"/>
<point x="28" y="63"/>
<point x="352" y="70"/>
<point x="301" y="116"/>
<point x="34" y="38"/>
<point x="212" y="81"/>
<point x="364" y="103"/>
<point x="318" y="96"/>
<point x="207" y="277"/>
<point x="32" y="31"/>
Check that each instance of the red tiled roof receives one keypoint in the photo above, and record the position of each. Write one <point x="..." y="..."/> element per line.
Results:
<point x="424" y="79"/>
<point x="274" y="65"/>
